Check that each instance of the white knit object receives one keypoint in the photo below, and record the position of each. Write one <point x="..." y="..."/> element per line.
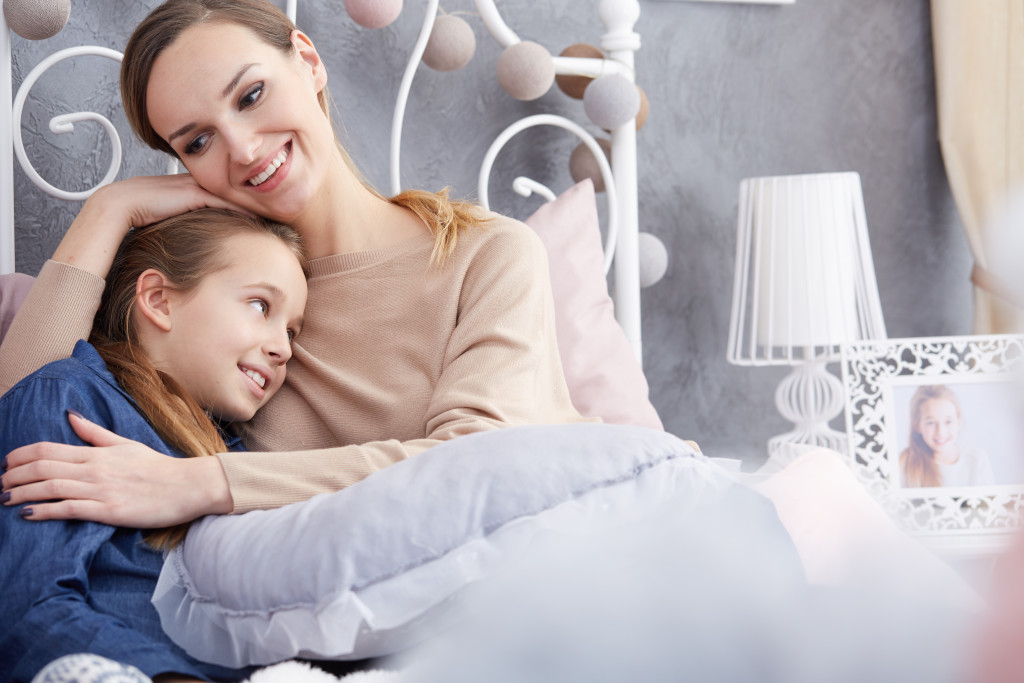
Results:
<point x="37" y="19"/>
<point x="300" y="672"/>
<point x="88" y="668"/>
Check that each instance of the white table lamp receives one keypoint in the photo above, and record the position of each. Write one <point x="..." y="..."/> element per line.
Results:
<point x="804" y="285"/>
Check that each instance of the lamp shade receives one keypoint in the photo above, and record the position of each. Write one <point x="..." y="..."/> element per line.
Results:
<point x="804" y="280"/>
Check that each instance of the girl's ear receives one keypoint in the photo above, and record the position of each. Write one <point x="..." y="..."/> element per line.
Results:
<point x="307" y="52"/>
<point x="152" y="298"/>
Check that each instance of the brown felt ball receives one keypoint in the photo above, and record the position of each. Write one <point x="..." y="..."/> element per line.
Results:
<point x="573" y="86"/>
<point x="525" y="70"/>
<point x="451" y="45"/>
<point x="582" y="163"/>
<point x="37" y="19"/>
<point x="373" y="13"/>
<point x="645" y="108"/>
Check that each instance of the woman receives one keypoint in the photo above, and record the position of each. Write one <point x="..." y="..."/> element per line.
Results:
<point x="197" y="320"/>
<point x="426" y="319"/>
<point x="934" y="456"/>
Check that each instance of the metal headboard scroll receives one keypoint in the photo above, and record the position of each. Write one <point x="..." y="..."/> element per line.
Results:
<point x="621" y="242"/>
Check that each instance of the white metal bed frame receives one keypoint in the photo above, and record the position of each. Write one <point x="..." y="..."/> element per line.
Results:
<point x="620" y="42"/>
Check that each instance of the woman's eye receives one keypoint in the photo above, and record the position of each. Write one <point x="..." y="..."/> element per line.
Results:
<point x="260" y="305"/>
<point x="197" y="144"/>
<point x="251" y="96"/>
<point x="291" y="336"/>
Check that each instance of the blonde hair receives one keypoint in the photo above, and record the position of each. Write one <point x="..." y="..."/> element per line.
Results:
<point x="186" y="249"/>
<point x="445" y="217"/>
<point x="917" y="461"/>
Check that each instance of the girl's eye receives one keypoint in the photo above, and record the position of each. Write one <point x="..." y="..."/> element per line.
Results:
<point x="260" y="305"/>
<point x="251" y="96"/>
<point x="196" y="144"/>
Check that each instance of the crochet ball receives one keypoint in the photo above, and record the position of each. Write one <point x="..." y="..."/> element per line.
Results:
<point x="573" y="86"/>
<point x="373" y="13"/>
<point x="582" y="164"/>
<point x="451" y="45"/>
<point x="611" y="100"/>
<point x="37" y="19"/>
<point x="525" y="70"/>
<point x="653" y="259"/>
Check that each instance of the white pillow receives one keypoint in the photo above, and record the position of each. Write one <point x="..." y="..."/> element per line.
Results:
<point x="363" y="572"/>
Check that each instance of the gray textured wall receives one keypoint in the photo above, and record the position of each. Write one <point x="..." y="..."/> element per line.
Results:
<point x="735" y="90"/>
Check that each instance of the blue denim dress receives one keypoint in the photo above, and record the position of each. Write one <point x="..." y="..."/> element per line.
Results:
<point x="69" y="587"/>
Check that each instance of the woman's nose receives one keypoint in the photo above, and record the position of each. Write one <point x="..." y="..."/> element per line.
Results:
<point x="243" y="146"/>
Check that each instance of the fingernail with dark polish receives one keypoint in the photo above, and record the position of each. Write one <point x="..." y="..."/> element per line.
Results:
<point x="72" y="411"/>
<point x="26" y="512"/>
<point x="4" y="497"/>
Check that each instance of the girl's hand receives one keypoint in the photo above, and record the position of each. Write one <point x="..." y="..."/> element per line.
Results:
<point x="116" y="481"/>
<point x="92" y="240"/>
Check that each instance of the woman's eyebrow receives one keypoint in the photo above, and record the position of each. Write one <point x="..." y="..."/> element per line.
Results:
<point x="227" y="91"/>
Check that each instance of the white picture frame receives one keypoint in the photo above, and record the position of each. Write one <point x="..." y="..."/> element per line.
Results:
<point x="977" y="378"/>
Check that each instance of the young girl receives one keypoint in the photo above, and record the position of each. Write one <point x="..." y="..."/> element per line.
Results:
<point x="934" y="456"/>
<point x="196" y="321"/>
<point x="428" y="318"/>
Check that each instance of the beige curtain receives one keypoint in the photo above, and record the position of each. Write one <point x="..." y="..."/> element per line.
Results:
<point x="979" y="76"/>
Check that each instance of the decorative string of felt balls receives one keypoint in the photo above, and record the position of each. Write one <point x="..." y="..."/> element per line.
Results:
<point x="526" y="71"/>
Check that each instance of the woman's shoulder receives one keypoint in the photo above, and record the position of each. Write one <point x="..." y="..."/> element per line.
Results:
<point x="503" y="238"/>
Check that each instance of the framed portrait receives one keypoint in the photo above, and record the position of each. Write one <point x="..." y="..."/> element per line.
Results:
<point x="936" y="430"/>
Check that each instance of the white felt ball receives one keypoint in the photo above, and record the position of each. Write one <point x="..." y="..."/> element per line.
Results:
<point x="611" y="100"/>
<point x="582" y="164"/>
<point x="653" y="259"/>
<point x="37" y="19"/>
<point x="373" y="13"/>
<point x="451" y="45"/>
<point x="525" y="70"/>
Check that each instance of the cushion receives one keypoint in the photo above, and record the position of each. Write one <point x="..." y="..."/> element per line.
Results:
<point x="366" y="571"/>
<point x="605" y="380"/>
<point x="13" y="288"/>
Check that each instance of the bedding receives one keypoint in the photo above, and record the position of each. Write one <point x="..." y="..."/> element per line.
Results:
<point x="605" y="380"/>
<point x="370" y="570"/>
<point x="13" y="289"/>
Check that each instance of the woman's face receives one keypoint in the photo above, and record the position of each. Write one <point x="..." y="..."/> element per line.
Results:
<point x="244" y="117"/>
<point x="939" y="424"/>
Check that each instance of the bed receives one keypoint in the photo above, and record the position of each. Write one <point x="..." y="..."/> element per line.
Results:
<point x="630" y="541"/>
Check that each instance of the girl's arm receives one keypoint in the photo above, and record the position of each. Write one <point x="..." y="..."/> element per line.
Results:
<point x="47" y="570"/>
<point x="59" y="309"/>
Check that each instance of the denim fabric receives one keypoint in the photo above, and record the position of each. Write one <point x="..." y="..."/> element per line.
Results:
<point x="68" y="587"/>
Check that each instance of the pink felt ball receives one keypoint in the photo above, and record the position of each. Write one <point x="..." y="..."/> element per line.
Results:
<point x="582" y="163"/>
<point x="37" y="19"/>
<point x="525" y="70"/>
<point x="611" y="100"/>
<point x="373" y="13"/>
<point x="451" y="45"/>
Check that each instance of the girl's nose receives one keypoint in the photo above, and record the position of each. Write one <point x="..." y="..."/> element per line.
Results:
<point x="279" y="347"/>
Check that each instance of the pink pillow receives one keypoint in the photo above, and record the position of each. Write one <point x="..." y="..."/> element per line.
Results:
<point x="13" y="288"/>
<point x="604" y="377"/>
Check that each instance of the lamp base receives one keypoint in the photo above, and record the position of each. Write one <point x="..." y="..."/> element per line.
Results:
<point x="810" y="397"/>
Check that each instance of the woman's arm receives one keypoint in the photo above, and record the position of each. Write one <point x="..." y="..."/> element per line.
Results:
<point x="59" y="309"/>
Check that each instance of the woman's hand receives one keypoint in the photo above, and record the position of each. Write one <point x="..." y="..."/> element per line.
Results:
<point x="92" y="240"/>
<point x="116" y="481"/>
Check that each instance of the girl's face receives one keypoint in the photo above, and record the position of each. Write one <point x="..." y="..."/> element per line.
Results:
<point x="229" y="338"/>
<point x="244" y="117"/>
<point x="939" y="424"/>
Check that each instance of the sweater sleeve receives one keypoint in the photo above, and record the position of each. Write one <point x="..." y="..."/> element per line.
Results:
<point x="500" y="368"/>
<point x="57" y="312"/>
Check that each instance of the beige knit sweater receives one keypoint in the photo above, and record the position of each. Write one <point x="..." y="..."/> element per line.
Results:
<point x="395" y="356"/>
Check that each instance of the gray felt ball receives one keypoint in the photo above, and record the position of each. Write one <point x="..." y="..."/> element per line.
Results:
<point x="653" y="259"/>
<point x="582" y="164"/>
<point x="573" y="86"/>
<point x="37" y="19"/>
<point x="451" y="45"/>
<point x="611" y="101"/>
<point x="525" y="70"/>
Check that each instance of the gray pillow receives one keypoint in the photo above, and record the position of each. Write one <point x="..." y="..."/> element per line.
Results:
<point x="366" y="571"/>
